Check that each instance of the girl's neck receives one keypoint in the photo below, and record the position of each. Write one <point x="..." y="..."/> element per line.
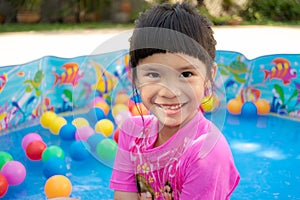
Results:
<point x="165" y="134"/>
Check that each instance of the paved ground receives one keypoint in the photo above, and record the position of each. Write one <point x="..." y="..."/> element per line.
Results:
<point x="252" y="41"/>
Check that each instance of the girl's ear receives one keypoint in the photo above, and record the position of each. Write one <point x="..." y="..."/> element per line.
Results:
<point x="214" y="70"/>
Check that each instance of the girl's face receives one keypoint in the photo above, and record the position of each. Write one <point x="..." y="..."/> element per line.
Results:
<point x="171" y="86"/>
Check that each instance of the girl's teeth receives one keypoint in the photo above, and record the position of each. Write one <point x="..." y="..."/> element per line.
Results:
<point x="172" y="107"/>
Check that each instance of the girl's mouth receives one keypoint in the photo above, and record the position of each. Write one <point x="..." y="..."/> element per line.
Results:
<point x="171" y="109"/>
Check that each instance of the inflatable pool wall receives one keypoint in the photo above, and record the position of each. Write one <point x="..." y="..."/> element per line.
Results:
<point x="69" y="84"/>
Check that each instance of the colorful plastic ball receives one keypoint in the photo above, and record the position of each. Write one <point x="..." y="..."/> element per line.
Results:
<point x="67" y="132"/>
<point x="14" y="172"/>
<point x="58" y="186"/>
<point x="103" y="106"/>
<point x="56" y="125"/>
<point x="53" y="151"/>
<point x="35" y="150"/>
<point x="122" y="116"/>
<point x="83" y="133"/>
<point x="29" y="138"/>
<point x="249" y="109"/>
<point x="107" y="149"/>
<point x="4" y="158"/>
<point x="46" y="118"/>
<point x="3" y="185"/>
<point x="80" y="122"/>
<point x="79" y="150"/>
<point x="139" y="109"/>
<point x="99" y="113"/>
<point x="234" y="106"/>
<point x="131" y="104"/>
<point x="94" y="140"/>
<point x="116" y="135"/>
<point x="210" y="103"/>
<point x="54" y="166"/>
<point x="122" y="98"/>
<point x="96" y="100"/>
<point x="263" y="106"/>
<point x="104" y="126"/>
<point x="118" y="107"/>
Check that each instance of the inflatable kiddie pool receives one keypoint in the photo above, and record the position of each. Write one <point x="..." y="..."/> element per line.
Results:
<point x="51" y="108"/>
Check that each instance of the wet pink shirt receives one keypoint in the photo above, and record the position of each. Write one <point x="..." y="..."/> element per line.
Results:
<point x="195" y="163"/>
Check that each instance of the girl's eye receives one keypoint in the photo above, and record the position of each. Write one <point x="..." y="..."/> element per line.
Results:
<point x="153" y="75"/>
<point x="186" y="74"/>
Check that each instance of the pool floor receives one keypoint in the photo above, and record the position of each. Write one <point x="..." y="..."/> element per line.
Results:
<point x="266" y="152"/>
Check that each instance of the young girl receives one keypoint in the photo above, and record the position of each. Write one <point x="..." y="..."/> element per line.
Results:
<point x="174" y="153"/>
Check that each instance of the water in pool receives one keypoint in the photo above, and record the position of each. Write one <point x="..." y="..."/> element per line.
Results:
<point x="266" y="151"/>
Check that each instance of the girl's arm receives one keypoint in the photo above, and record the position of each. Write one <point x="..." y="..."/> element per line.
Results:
<point x="119" y="195"/>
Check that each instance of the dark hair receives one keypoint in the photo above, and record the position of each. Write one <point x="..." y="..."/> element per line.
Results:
<point x="177" y="28"/>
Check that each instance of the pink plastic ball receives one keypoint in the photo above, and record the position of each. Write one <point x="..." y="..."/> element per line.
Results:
<point x="122" y="116"/>
<point x="14" y="172"/>
<point x="83" y="133"/>
<point x="29" y="138"/>
<point x="96" y="100"/>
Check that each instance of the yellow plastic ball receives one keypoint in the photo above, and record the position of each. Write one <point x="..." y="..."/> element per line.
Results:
<point x="80" y="122"/>
<point x="104" y="126"/>
<point x="209" y="104"/>
<point x="56" y="125"/>
<point x="46" y="118"/>
<point x="234" y="106"/>
<point x="263" y="106"/>
<point x="118" y="107"/>
<point x="58" y="186"/>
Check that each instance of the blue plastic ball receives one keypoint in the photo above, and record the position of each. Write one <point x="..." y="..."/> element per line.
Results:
<point x="249" y="109"/>
<point x="54" y="166"/>
<point x="99" y="113"/>
<point x="67" y="132"/>
<point x="79" y="150"/>
<point x="94" y="139"/>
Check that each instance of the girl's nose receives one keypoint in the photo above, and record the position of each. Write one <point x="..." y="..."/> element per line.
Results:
<point x="170" y="92"/>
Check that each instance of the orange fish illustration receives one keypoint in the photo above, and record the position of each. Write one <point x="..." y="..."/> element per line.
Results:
<point x="282" y="71"/>
<point x="3" y="81"/>
<point x="21" y="74"/>
<point x="71" y="75"/>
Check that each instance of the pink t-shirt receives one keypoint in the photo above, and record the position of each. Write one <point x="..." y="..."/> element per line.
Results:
<point x="195" y="163"/>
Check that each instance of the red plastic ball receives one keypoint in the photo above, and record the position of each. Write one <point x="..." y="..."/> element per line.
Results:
<point x="116" y="135"/>
<point x="3" y="185"/>
<point x="35" y="150"/>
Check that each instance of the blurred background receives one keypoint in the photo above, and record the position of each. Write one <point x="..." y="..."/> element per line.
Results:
<point x="19" y="15"/>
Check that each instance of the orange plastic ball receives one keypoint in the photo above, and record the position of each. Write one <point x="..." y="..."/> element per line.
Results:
<point x="263" y="106"/>
<point x="103" y="105"/>
<point x="58" y="186"/>
<point x="234" y="106"/>
<point x="122" y="98"/>
<point x="139" y="109"/>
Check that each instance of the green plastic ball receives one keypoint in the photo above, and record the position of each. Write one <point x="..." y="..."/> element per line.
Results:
<point x="106" y="149"/>
<point x="53" y="151"/>
<point x="4" y="158"/>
